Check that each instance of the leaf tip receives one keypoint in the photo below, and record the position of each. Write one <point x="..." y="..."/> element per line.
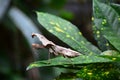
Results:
<point x="31" y="66"/>
<point x="28" y="68"/>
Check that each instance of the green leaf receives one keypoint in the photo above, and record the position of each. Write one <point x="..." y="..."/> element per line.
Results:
<point x="66" y="32"/>
<point x="107" y="20"/>
<point x="116" y="7"/>
<point x="97" y="23"/>
<point x="101" y="71"/>
<point x="102" y="42"/>
<point x="81" y="60"/>
<point x="110" y="53"/>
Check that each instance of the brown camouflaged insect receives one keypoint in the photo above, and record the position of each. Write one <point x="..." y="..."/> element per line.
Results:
<point x="53" y="48"/>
